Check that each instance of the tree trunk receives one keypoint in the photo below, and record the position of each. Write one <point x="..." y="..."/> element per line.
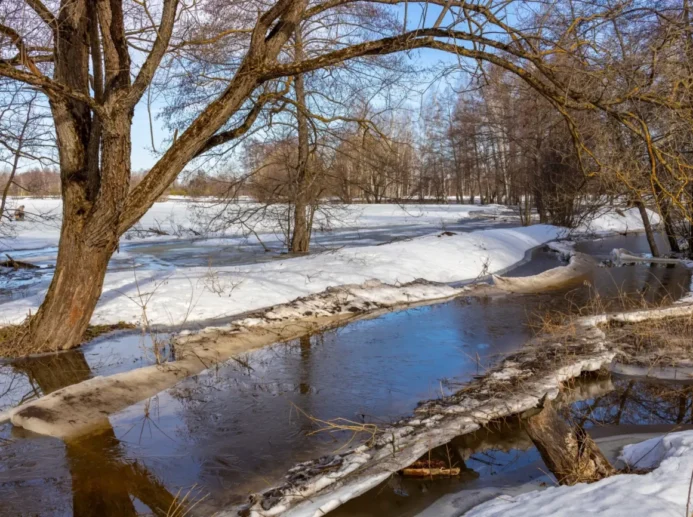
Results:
<point x="73" y="294"/>
<point x="88" y="238"/>
<point x="649" y="233"/>
<point x="665" y="211"/>
<point x="300" y="240"/>
<point x="569" y="452"/>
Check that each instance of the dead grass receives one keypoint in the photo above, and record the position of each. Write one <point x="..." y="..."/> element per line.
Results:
<point x="562" y="322"/>
<point x="94" y="331"/>
<point x="341" y="425"/>
<point x="10" y="337"/>
<point x="654" y="343"/>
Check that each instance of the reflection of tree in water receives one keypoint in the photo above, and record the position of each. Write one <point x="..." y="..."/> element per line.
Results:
<point x="104" y="483"/>
<point x="637" y="402"/>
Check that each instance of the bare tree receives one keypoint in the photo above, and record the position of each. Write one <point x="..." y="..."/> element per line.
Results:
<point x="24" y="139"/>
<point x="78" y="53"/>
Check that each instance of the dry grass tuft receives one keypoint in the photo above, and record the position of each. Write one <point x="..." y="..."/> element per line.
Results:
<point x="654" y="343"/>
<point x="11" y="345"/>
<point x="340" y="425"/>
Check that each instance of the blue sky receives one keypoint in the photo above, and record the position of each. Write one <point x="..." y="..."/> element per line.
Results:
<point x="144" y="158"/>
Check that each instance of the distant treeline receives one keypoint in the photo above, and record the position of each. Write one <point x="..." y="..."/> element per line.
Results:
<point x="35" y="182"/>
<point x="46" y="182"/>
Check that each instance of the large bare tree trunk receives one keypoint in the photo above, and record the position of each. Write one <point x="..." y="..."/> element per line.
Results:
<point x="569" y="452"/>
<point x="88" y="238"/>
<point x="300" y="240"/>
<point x="73" y="294"/>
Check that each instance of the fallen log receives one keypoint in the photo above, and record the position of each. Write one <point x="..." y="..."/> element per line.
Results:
<point x="622" y="256"/>
<point x="579" y="266"/>
<point x="16" y="264"/>
<point x="569" y="452"/>
<point x="430" y="468"/>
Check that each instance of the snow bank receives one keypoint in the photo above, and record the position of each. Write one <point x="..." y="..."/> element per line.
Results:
<point x="555" y="278"/>
<point x="80" y="408"/>
<point x="662" y="492"/>
<point x="176" y="296"/>
<point x="518" y="384"/>
<point x="612" y="221"/>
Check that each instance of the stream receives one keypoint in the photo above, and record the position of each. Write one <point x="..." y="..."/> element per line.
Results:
<point x="238" y="427"/>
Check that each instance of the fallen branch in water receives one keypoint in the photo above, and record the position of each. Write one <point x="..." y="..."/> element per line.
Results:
<point x="16" y="264"/>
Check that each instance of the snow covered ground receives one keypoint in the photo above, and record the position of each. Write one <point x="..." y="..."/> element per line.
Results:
<point x="176" y="217"/>
<point x="173" y="295"/>
<point x="616" y="221"/>
<point x="662" y="492"/>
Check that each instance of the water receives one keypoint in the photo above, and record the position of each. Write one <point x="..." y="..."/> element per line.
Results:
<point x="501" y="460"/>
<point x="238" y="428"/>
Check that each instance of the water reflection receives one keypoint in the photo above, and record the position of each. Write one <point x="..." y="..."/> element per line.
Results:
<point x="103" y="482"/>
<point x="237" y="428"/>
<point x="637" y="402"/>
<point x="501" y="460"/>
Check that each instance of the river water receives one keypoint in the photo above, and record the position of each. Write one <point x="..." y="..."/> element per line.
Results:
<point x="236" y="429"/>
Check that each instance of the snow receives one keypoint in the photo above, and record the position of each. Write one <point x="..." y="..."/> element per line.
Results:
<point x="174" y="296"/>
<point x="580" y="264"/>
<point x="616" y="221"/>
<point x="659" y="493"/>
<point x="176" y="215"/>
<point x="512" y="387"/>
<point x="83" y="407"/>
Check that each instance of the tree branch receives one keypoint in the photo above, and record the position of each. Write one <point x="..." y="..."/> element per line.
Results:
<point x="18" y="42"/>
<point x="163" y="37"/>
<point x="226" y="136"/>
<point x="49" y="86"/>
<point x="46" y="15"/>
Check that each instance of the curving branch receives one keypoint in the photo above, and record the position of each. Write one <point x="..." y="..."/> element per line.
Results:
<point x="49" y="86"/>
<point x="23" y="56"/>
<point x="227" y="136"/>
<point x="163" y="38"/>
<point x="45" y="14"/>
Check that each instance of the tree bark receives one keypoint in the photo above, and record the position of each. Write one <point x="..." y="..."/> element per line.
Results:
<point x="300" y="239"/>
<point x="665" y="211"/>
<point x="88" y="238"/>
<point x="569" y="452"/>
<point x="74" y="291"/>
<point x="649" y="233"/>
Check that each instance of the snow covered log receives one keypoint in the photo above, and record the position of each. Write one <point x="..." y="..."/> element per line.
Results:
<point x="81" y="408"/>
<point x="622" y="256"/>
<point x="520" y="383"/>
<point x="523" y="382"/>
<point x="580" y="264"/>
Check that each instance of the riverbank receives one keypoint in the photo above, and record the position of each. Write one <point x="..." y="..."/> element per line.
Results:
<point x="521" y="382"/>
